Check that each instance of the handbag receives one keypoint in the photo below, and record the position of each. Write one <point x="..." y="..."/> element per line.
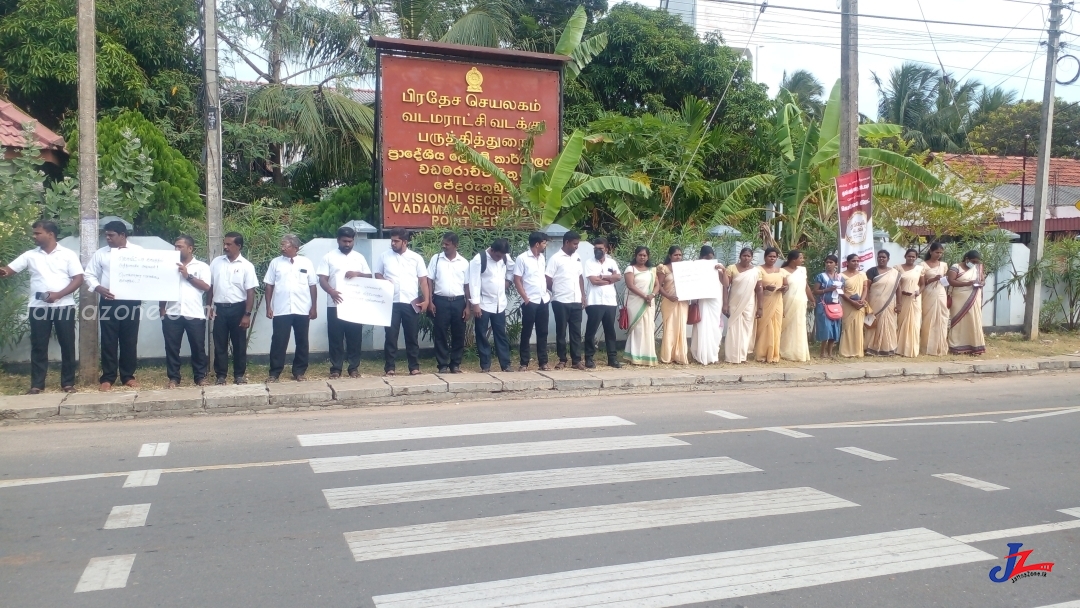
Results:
<point x="624" y="318"/>
<point x="834" y="312"/>
<point x="693" y="314"/>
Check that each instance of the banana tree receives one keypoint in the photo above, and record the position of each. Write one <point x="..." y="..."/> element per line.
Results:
<point x="551" y="195"/>
<point x="581" y="52"/>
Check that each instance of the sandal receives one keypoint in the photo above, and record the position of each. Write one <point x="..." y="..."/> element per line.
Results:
<point x="389" y="373"/>
<point x="415" y="372"/>
<point x="560" y="365"/>
<point x="545" y="368"/>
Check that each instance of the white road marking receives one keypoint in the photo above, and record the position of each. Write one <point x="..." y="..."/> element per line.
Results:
<point x="139" y="479"/>
<point x="106" y="573"/>
<point x="710" y="577"/>
<point x="866" y="454"/>
<point x="459" y="430"/>
<point x="153" y="449"/>
<point x="788" y="432"/>
<point x="1075" y="511"/>
<point x="564" y="523"/>
<point x="1072" y="604"/>
<point x="1057" y="413"/>
<point x="841" y="425"/>
<point x="127" y="516"/>
<point x="499" y="483"/>
<point x="491" y="452"/>
<point x="970" y="482"/>
<point x="726" y="414"/>
<point x="1016" y="532"/>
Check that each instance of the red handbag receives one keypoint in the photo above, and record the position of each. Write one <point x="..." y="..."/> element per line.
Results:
<point x="624" y="319"/>
<point x="834" y="311"/>
<point x="693" y="314"/>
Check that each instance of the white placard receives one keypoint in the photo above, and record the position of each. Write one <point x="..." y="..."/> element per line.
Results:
<point x="145" y="274"/>
<point x="697" y="280"/>
<point x="366" y="301"/>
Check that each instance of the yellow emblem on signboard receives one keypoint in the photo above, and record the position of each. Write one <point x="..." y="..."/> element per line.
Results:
<point x="474" y="79"/>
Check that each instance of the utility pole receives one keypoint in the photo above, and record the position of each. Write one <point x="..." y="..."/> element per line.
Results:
<point x="849" y="85"/>
<point x="88" y="184"/>
<point x="212" y="115"/>
<point x="1033" y="304"/>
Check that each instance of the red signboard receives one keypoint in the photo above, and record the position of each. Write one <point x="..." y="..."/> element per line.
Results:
<point x="853" y="198"/>
<point x="427" y="104"/>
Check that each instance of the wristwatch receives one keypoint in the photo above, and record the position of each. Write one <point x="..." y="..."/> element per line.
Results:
<point x="247" y="314"/>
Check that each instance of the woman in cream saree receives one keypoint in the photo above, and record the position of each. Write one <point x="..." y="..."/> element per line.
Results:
<point x="884" y="285"/>
<point x="966" y="332"/>
<point x="641" y="290"/>
<point x="771" y="313"/>
<point x="740" y="306"/>
<point x="853" y="300"/>
<point x="909" y="304"/>
<point x="934" y="338"/>
<point x="794" y="344"/>
<point x="673" y="345"/>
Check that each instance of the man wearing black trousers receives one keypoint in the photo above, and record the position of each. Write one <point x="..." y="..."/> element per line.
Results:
<point x="118" y="320"/>
<point x="187" y="315"/>
<point x="489" y="277"/>
<point x="601" y="274"/>
<point x="448" y="274"/>
<point x="412" y="296"/>
<point x="530" y="279"/>
<point x="232" y="294"/>
<point x="55" y="274"/>
<point x="567" y="286"/>
<point x="343" y="337"/>
<point x="291" y="301"/>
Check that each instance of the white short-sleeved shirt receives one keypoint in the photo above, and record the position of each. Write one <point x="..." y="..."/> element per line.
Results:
<point x="533" y="272"/>
<point x="449" y="276"/>
<point x="292" y="279"/>
<point x="335" y="264"/>
<point x="232" y="279"/>
<point x="190" y="304"/>
<point x="403" y="270"/>
<point x="97" y="271"/>
<point x="600" y="295"/>
<point x="488" y="290"/>
<point x="49" y="272"/>
<point x="565" y="274"/>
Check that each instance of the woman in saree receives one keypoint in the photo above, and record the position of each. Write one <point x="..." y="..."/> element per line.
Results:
<point x="705" y="343"/>
<point x="641" y="290"/>
<point x="771" y="312"/>
<point x="934" y="334"/>
<point x="827" y="287"/>
<point x="673" y="345"/>
<point x="909" y="305"/>
<point x="884" y="286"/>
<point x="966" y="328"/>
<point x="797" y="298"/>
<point x="855" y="306"/>
<point x="742" y="301"/>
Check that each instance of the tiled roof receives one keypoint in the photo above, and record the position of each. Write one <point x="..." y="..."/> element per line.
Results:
<point x="12" y="120"/>
<point x="1010" y="169"/>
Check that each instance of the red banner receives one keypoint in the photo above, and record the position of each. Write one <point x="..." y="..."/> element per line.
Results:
<point x="853" y="198"/>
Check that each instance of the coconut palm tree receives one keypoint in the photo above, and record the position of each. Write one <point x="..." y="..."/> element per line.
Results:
<point x="907" y="99"/>
<point x="805" y="91"/>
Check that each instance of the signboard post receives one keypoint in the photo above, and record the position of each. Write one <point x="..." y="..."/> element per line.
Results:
<point x="145" y="274"/>
<point x="853" y="192"/>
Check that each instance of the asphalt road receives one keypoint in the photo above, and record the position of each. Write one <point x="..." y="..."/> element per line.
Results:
<point x="614" y="501"/>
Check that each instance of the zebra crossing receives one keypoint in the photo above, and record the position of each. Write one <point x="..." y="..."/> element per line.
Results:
<point x="664" y="582"/>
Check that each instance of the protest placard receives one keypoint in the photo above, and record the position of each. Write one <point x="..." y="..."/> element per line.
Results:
<point x="366" y="301"/>
<point x="697" y="280"/>
<point x="145" y="274"/>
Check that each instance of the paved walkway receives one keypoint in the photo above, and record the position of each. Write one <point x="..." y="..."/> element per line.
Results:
<point x="371" y="390"/>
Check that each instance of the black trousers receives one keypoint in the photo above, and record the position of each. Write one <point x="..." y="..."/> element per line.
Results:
<point x="297" y="325"/>
<point x="534" y="315"/>
<point x="344" y="339"/>
<point x="227" y="318"/>
<point x="601" y="314"/>
<point x="118" y="323"/>
<point x="567" y="316"/>
<point x="497" y="321"/>
<point x="448" y="318"/>
<point x="42" y="322"/>
<point x="173" y="330"/>
<point x="403" y="317"/>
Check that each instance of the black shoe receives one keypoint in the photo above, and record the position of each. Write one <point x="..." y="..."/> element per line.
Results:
<point x="590" y="364"/>
<point x="335" y="375"/>
<point x="614" y="364"/>
<point x="241" y="380"/>
<point x="221" y="381"/>
<point x="270" y="379"/>
<point x="485" y="370"/>
<point x="444" y="370"/>
<point x="455" y="370"/>
<point x="507" y="369"/>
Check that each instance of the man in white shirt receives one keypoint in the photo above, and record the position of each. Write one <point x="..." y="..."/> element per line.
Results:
<point x="118" y="320"/>
<point x="55" y="274"/>
<point x="343" y="337"/>
<point x="530" y="279"/>
<point x="567" y="286"/>
<point x="232" y="297"/>
<point x="412" y="296"/>
<point x="489" y="277"/>
<point x="448" y="274"/>
<point x="601" y="274"/>
<point x="291" y="301"/>
<point x="187" y="315"/>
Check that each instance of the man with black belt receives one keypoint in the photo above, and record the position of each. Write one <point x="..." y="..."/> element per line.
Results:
<point x="490" y="272"/>
<point x="448" y="274"/>
<point x="232" y="296"/>
<point x="118" y="320"/>
<point x="187" y="315"/>
<point x="412" y="295"/>
<point x="531" y="283"/>
<point x="291" y="300"/>
<point x="55" y="274"/>
<point x="343" y="337"/>
<point x="601" y="273"/>
<point x="567" y="286"/>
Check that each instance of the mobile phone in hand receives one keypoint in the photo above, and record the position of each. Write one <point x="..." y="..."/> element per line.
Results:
<point x="42" y="295"/>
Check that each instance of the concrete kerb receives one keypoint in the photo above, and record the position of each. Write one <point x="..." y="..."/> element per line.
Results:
<point x="188" y="399"/>
<point x="31" y="407"/>
<point x="471" y="383"/>
<point x="415" y="385"/>
<point x="573" y="380"/>
<point x="98" y="404"/>
<point x="295" y="394"/>
<point x="236" y="397"/>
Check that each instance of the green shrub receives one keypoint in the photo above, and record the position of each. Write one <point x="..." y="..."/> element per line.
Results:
<point x="337" y="207"/>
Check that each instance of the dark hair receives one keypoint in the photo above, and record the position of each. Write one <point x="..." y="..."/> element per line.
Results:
<point x="116" y="226"/>
<point x="346" y="232"/>
<point x="236" y="237"/>
<point x="670" y="252"/>
<point x="450" y="236"/>
<point x="746" y="250"/>
<point x="572" y="235"/>
<point x="973" y="255"/>
<point x="911" y="251"/>
<point x="888" y="256"/>
<point x="832" y="258"/>
<point x="705" y="250"/>
<point x="48" y="226"/>
<point x="648" y="254"/>
<point x="791" y="257"/>
<point x="933" y="247"/>
<point x="501" y="245"/>
<point x="401" y="233"/>
<point x="187" y="238"/>
<point x="535" y="238"/>
<point x="852" y="256"/>
<point x="600" y="241"/>
<point x="769" y="250"/>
